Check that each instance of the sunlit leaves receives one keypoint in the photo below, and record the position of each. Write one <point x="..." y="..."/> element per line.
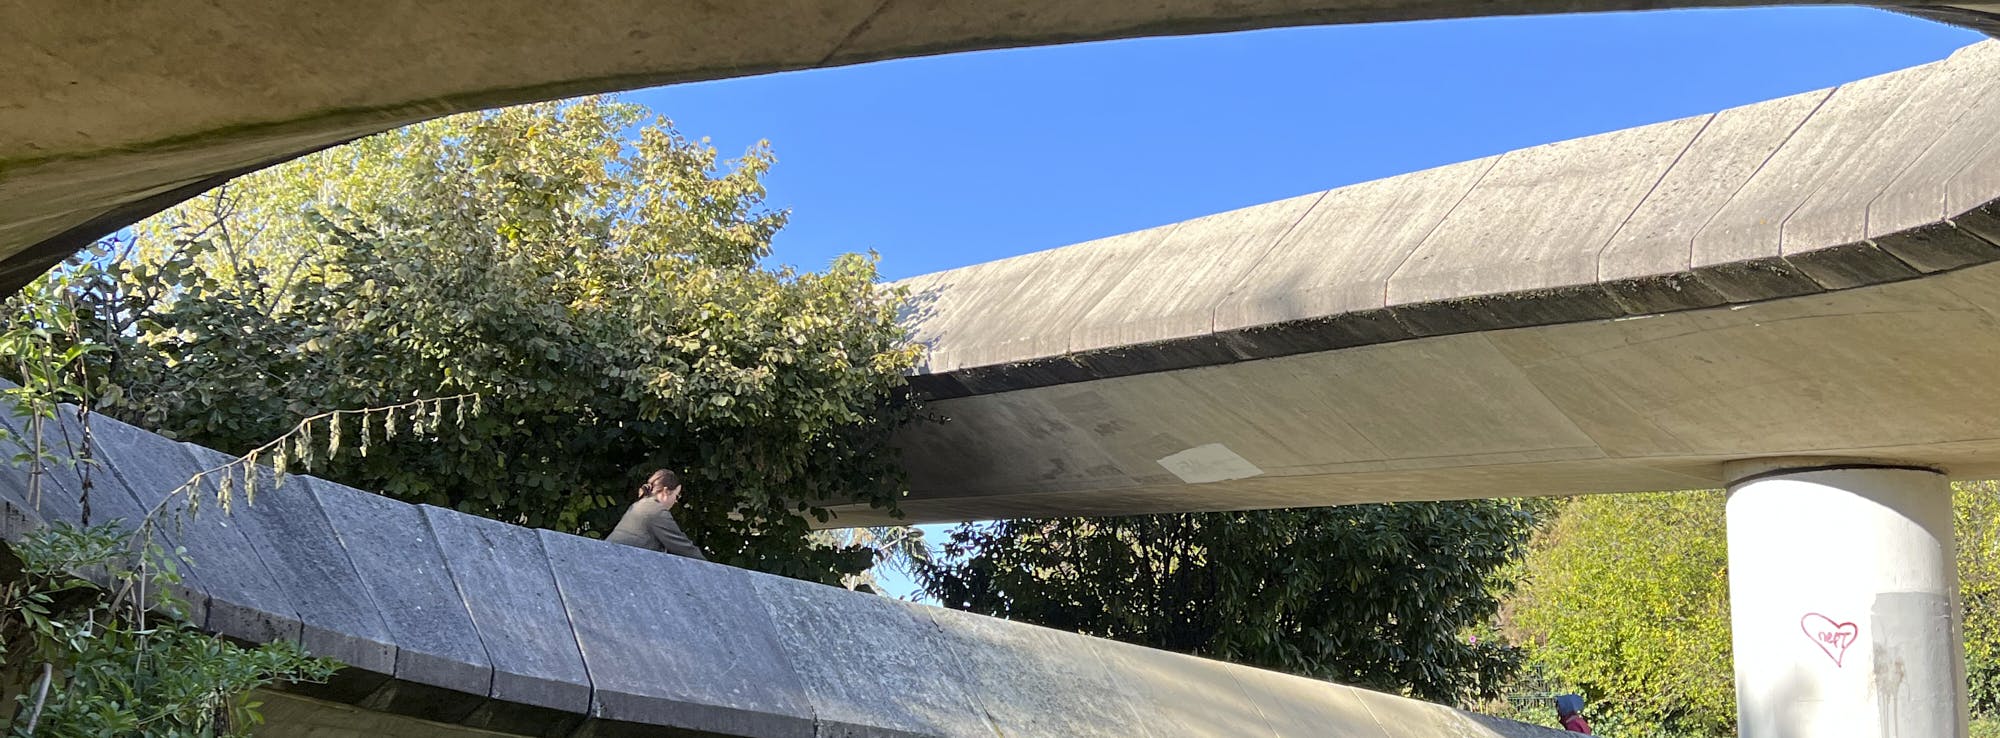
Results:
<point x="1976" y="516"/>
<point x="593" y="274"/>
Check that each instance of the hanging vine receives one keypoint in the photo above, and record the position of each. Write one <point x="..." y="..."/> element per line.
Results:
<point x="296" y="447"/>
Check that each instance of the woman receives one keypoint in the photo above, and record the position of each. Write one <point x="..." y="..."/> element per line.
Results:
<point x="649" y="525"/>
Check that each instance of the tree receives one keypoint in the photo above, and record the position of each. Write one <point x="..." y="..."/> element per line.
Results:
<point x="1626" y="598"/>
<point x="1380" y="596"/>
<point x="592" y="275"/>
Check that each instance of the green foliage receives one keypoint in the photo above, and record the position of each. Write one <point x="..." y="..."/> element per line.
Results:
<point x="1374" y="595"/>
<point x="1986" y="727"/>
<point x="117" y="660"/>
<point x="1625" y="598"/>
<point x="593" y="275"/>
<point x="43" y="349"/>
<point x="1976" y="517"/>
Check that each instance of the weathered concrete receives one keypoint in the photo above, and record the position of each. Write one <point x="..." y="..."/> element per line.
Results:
<point x="246" y="600"/>
<point x="872" y="668"/>
<point x="440" y="670"/>
<point x="1912" y="217"/>
<point x="1322" y="286"/>
<point x="1036" y="681"/>
<point x="1838" y="211"/>
<point x="115" y="112"/>
<point x="1161" y="299"/>
<point x="1620" y="312"/>
<point x="675" y="642"/>
<point x="459" y="626"/>
<point x="292" y="537"/>
<point x="1648" y="266"/>
<point x="1741" y="250"/>
<point x="503" y="576"/>
<point x="1539" y="218"/>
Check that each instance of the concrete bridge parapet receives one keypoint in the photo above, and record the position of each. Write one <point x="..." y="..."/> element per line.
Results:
<point x="454" y="625"/>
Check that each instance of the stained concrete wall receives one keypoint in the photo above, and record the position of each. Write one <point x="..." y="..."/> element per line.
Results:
<point x="115" y="110"/>
<point x="455" y="625"/>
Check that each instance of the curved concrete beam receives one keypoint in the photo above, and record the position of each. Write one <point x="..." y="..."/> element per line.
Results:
<point x="454" y="625"/>
<point x="1804" y="276"/>
<point x="110" y="111"/>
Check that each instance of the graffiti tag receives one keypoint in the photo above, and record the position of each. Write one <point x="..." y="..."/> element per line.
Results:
<point x="1831" y="637"/>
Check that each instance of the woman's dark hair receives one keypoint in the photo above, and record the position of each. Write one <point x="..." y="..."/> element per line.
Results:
<point x="660" y="480"/>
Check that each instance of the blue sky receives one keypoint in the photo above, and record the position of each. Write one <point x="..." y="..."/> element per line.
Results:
<point x="946" y="161"/>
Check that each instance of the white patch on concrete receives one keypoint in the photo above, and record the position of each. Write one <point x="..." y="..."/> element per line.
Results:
<point x="1210" y="463"/>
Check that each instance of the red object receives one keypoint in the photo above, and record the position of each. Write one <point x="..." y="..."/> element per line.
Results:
<point x="1576" y="724"/>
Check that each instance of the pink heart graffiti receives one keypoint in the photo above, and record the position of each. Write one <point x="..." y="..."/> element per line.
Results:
<point x="1831" y="637"/>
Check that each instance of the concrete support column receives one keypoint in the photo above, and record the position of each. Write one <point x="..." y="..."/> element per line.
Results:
<point x="1843" y="586"/>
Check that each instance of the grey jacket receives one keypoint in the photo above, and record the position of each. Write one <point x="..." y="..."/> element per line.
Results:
<point x="650" y="526"/>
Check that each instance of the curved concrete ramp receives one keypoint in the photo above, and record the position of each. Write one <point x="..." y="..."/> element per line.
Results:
<point x="460" y="626"/>
<point x="1806" y="276"/>
<point x="113" y="111"/>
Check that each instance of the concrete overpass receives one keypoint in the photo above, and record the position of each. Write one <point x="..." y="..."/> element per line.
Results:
<point x="1630" y="311"/>
<point x="1794" y="298"/>
<point x="458" y="626"/>
<point x="111" y="111"/>
<point x="1797" y="299"/>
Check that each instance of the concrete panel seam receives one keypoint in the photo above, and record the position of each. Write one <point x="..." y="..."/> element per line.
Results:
<point x="254" y="552"/>
<point x="293" y="614"/>
<point x="1259" y="261"/>
<point x="1391" y="278"/>
<point x="1384" y="727"/>
<point x="1069" y="336"/>
<point x="590" y="707"/>
<point x="1529" y="379"/>
<point x="992" y="724"/>
<point x="1835" y="168"/>
<point x="1598" y="266"/>
<point x="1138" y="721"/>
<point x="867" y="22"/>
<point x="493" y="671"/>
<point x="1269" y="724"/>
<point x="1825" y="95"/>
<point x="366" y="591"/>
<point x="1984" y="153"/>
<point x="1868" y="211"/>
<point x="764" y="606"/>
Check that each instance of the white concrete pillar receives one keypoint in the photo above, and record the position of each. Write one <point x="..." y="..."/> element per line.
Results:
<point x="1843" y="588"/>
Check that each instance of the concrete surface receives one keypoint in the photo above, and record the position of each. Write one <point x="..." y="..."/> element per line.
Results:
<point x="113" y="111"/>
<point x="441" y="666"/>
<point x="1844" y="602"/>
<point x="458" y="626"/>
<point x="1812" y="275"/>
<point x="500" y="571"/>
